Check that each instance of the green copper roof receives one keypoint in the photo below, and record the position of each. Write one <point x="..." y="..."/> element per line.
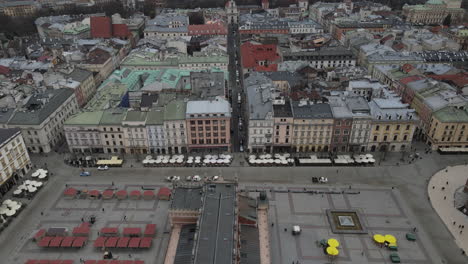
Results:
<point x="85" y="118"/>
<point x="451" y="114"/>
<point x="434" y="2"/>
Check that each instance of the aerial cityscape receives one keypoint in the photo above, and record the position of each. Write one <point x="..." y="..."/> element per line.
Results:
<point x="233" y="131"/>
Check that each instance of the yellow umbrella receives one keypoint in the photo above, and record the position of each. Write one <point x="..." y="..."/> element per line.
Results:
<point x="332" y="251"/>
<point x="390" y="239"/>
<point x="379" y="239"/>
<point x="333" y="243"/>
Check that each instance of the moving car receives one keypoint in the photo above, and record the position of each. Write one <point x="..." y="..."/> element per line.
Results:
<point x="103" y="168"/>
<point x="85" y="173"/>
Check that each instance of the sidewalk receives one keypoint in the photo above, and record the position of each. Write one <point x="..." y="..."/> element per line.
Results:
<point x="441" y="190"/>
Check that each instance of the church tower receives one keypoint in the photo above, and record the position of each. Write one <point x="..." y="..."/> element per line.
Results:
<point x="232" y="12"/>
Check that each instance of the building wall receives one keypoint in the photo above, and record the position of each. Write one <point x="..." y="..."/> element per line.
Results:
<point x="156" y="139"/>
<point x="21" y="10"/>
<point x="87" y="89"/>
<point x="112" y="138"/>
<point x="312" y="135"/>
<point x="83" y="139"/>
<point x="103" y="70"/>
<point x="135" y="139"/>
<point x="43" y="137"/>
<point x="447" y="134"/>
<point x="260" y="135"/>
<point x="176" y="136"/>
<point x="360" y="132"/>
<point x="283" y="131"/>
<point x="341" y="134"/>
<point x="210" y="132"/>
<point x="391" y="135"/>
<point x="13" y="159"/>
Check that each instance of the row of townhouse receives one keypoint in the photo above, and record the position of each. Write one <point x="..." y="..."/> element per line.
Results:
<point x="176" y="127"/>
<point x="441" y="108"/>
<point x="345" y="123"/>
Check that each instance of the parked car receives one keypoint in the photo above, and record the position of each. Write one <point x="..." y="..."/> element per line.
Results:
<point x="323" y="179"/>
<point x="196" y="178"/>
<point x="215" y="178"/>
<point x="103" y="168"/>
<point x="296" y="230"/>
<point x="173" y="178"/>
<point x="85" y="173"/>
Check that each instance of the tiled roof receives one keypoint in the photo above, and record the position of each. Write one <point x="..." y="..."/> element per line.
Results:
<point x="252" y="54"/>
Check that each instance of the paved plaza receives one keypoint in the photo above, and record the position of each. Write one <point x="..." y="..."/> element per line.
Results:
<point x="60" y="212"/>
<point x="384" y="210"/>
<point x="441" y="190"/>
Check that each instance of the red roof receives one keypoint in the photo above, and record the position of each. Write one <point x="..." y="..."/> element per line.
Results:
<point x="409" y="79"/>
<point x="207" y="29"/>
<point x="407" y="68"/>
<point x="57" y="261"/>
<point x="90" y="262"/>
<point x="459" y="79"/>
<point x="4" y="70"/>
<point x="101" y="27"/>
<point x="120" y="31"/>
<point x="39" y="233"/>
<point x="164" y="191"/>
<point x="398" y="46"/>
<point x="148" y="193"/>
<point x="150" y="229"/>
<point x="67" y="261"/>
<point x="260" y="57"/>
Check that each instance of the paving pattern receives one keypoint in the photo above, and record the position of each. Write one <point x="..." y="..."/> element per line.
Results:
<point x="69" y="213"/>
<point x="381" y="210"/>
<point x="441" y="190"/>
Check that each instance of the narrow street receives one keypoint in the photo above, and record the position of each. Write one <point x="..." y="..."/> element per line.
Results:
<point x="236" y="88"/>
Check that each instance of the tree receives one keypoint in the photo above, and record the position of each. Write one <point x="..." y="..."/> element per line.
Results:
<point x="447" y="20"/>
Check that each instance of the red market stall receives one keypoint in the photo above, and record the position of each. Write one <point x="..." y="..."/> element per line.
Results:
<point x="111" y="242"/>
<point x="135" y="195"/>
<point x="67" y="242"/>
<point x="122" y="194"/>
<point x="146" y="242"/>
<point x="55" y="242"/>
<point x="79" y="242"/>
<point x="100" y="242"/>
<point x="108" y="194"/>
<point x="164" y="193"/>
<point x="39" y="235"/>
<point x="93" y="194"/>
<point x="123" y="242"/>
<point x="109" y="231"/>
<point x="70" y="193"/>
<point x="148" y="195"/>
<point x="150" y="230"/>
<point x="45" y="241"/>
<point x="132" y="231"/>
<point x="134" y="242"/>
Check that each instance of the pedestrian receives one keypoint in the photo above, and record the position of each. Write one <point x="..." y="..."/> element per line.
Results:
<point x="98" y="233"/>
<point x="414" y="229"/>
<point x="66" y="185"/>
<point x="112" y="183"/>
<point x="443" y="188"/>
<point x="82" y="220"/>
<point x="433" y="187"/>
<point x="272" y="224"/>
<point x="446" y="183"/>
<point x="463" y="226"/>
<point x="285" y="229"/>
<point x="454" y="222"/>
<point x="459" y="226"/>
<point x="130" y="255"/>
<point x="463" y="252"/>
<point x="103" y="209"/>
<point x="461" y="231"/>
<point x="125" y="217"/>
<point x="445" y="197"/>
<point x="42" y="213"/>
<point x="362" y="253"/>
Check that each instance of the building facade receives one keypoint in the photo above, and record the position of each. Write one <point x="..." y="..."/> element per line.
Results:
<point x="313" y="127"/>
<point x="208" y="125"/>
<point x="448" y="128"/>
<point x="14" y="158"/>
